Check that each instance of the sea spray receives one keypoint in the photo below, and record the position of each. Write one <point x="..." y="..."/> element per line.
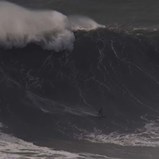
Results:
<point x="51" y="29"/>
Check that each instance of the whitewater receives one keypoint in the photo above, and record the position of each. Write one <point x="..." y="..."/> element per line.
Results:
<point x="20" y="26"/>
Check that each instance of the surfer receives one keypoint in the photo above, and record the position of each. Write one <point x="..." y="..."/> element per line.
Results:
<point x="100" y="113"/>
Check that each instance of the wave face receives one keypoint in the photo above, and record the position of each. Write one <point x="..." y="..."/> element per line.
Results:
<point x="60" y="91"/>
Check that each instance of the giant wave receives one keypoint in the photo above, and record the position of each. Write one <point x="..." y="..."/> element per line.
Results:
<point x="59" y="91"/>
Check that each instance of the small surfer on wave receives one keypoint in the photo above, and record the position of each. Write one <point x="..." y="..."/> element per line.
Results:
<point x="100" y="113"/>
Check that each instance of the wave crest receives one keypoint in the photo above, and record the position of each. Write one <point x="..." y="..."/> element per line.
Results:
<point x="19" y="26"/>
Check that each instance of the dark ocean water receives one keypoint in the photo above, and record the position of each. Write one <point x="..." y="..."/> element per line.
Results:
<point x="78" y="87"/>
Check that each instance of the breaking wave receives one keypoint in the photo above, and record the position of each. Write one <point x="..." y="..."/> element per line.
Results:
<point x="51" y="29"/>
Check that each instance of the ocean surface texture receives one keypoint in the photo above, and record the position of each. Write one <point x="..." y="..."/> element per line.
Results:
<point x="79" y="79"/>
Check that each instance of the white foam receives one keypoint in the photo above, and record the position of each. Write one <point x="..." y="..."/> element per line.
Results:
<point x="18" y="26"/>
<point x="148" y="136"/>
<point x="14" y="148"/>
<point x="52" y="29"/>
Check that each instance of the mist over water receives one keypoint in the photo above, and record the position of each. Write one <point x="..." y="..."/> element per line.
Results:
<point x="143" y="13"/>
